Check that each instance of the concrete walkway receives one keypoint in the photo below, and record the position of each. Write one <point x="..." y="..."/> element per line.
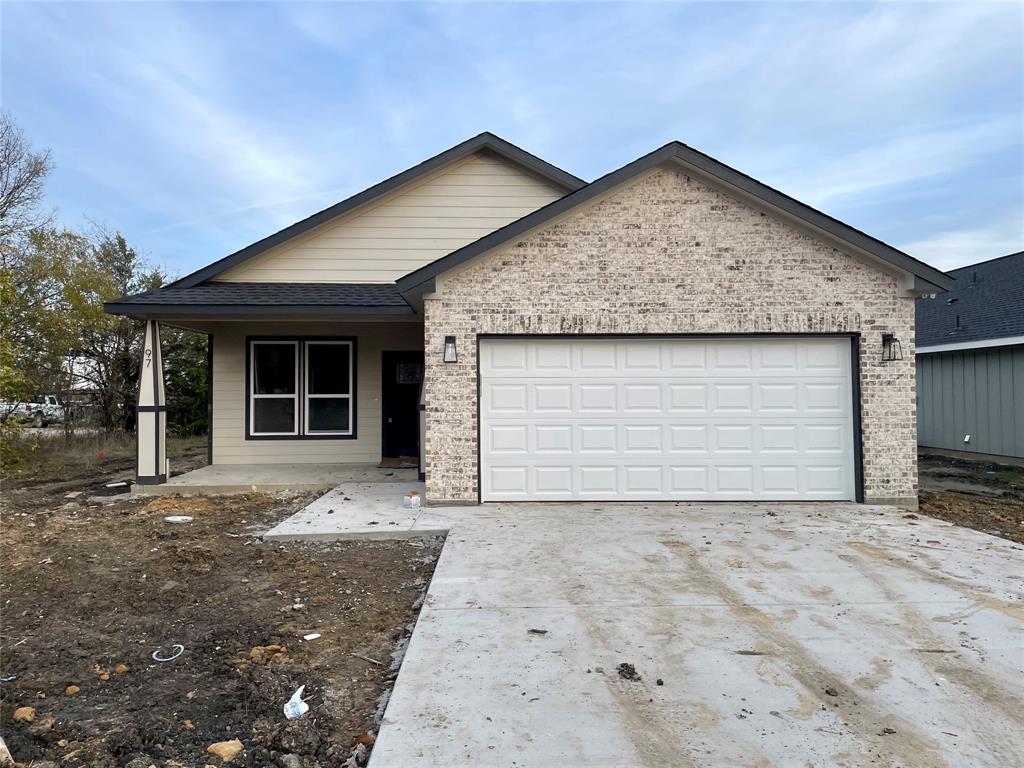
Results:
<point x="787" y="635"/>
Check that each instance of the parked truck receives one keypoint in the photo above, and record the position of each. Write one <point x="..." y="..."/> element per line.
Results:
<point x="40" y="411"/>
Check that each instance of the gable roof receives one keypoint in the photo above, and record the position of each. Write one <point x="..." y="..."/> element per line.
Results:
<point x="262" y="299"/>
<point x="484" y="142"/>
<point x="422" y="280"/>
<point x="987" y="303"/>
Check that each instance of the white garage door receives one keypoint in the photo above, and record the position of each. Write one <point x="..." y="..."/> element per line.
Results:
<point x="666" y="419"/>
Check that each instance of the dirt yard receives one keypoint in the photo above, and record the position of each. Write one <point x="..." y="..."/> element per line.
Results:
<point x="985" y="496"/>
<point x="93" y="585"/>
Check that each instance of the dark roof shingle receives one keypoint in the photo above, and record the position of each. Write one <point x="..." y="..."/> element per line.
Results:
<point x="987" y="302"/>
<point x="268" y="298"/>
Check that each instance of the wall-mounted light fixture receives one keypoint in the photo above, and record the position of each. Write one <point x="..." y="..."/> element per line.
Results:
<point x="450" y="354"/>
<point x="891" y="348"/>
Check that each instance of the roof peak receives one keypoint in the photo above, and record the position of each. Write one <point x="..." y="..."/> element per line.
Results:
<point x="482" y="141"/>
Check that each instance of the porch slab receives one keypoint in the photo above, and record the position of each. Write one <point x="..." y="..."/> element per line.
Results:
<point x="267" y="478"/>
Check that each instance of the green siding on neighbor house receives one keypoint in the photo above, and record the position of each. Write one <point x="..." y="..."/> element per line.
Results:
<point x="976" y="392"/>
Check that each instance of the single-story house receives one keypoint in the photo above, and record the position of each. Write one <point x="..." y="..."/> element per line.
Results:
<point x="674" y="330"/>
<point x="970" y="361"/>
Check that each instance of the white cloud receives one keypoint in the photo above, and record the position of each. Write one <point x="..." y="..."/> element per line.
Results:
<point x="912" y="157"/>
<point x="959" y="247"/>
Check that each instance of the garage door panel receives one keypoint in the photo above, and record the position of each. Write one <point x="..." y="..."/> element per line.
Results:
<point x="688" y="398"/>
<point x="597" y="399"/>
<point x="732" y="398"/>
<point x="553" y="439"/>
<point x="598" y="438"/>
<point x="777" y="398"/>
<point x="642" y="438"/>
<point x="823" y="398"/>
<point x="551" y="398"/>
<point x="688" y="438"/>
<point x="505" y="399"/>
<point x="507" y="439"/>
<point x="641" y="398"/>
<point x="667" y="419"/>
<point x="779" y="438"/>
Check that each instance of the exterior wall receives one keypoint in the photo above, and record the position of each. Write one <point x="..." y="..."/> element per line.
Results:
<point x="972" y="392"/>
<point x="230" y="397"/>
<point x="666" y="253"/>
<point x="406" y="229"/>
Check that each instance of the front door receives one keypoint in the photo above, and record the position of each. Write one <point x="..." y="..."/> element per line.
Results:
<point x="400" y="392"/>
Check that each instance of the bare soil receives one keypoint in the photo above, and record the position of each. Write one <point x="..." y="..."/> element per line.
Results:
<point x="93" y="582"/>
<point x="982" y="495"/>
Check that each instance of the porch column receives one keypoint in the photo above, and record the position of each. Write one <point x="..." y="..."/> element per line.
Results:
<point x="151" y="421"/>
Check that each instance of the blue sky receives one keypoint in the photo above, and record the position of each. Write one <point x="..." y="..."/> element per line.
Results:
<point x="198" y="128"/>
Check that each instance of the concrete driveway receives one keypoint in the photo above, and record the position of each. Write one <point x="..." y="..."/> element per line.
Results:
<point x="786" y="635"/>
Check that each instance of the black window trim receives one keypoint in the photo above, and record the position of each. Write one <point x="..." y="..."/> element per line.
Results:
<point x="301" y="364"/>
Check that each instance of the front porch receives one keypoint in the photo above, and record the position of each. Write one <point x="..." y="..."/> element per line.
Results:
<point x="267" y="478"/>
<point x="309" y="386"/>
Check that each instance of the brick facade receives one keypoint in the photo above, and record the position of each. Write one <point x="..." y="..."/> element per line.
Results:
<point x="667" y="253"/>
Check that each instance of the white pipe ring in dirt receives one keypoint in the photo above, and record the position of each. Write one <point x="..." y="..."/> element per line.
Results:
<point x="178" y="650"/>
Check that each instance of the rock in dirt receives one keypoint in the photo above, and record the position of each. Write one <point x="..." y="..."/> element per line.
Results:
<point x="121" y="669"/>
<point x="289" y="761"/>
<point x="830" y="691"/>
<point x="225" y="750"/>
<point x="24" y="715"/>
<point x="259" y="652"/>
<point x="5" y="754"/>
<point x="71" y="690"/>
<point x="627" y="671"/>
<point x="140" y="762"/>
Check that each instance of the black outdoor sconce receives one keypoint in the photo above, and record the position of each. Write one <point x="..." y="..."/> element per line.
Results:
<point x="450" y="354"/>
<point x="892" y="350"/>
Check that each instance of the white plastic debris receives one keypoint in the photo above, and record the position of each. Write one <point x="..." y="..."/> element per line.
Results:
<point x="296" y="707"/>
<point x="412" y="501"/>
<point x="178" y="650"/>
<point x="178" y="519"/>
<point x="311" y="636"/>
<point x="117" y="484"/>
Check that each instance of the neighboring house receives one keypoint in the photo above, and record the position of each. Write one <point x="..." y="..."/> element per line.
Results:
<point x="970" y="361"/>
<point x="672" y="330"/>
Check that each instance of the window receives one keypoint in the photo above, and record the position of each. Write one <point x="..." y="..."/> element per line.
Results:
<point x="328" y="388"/>
<point x="301" y="388"/>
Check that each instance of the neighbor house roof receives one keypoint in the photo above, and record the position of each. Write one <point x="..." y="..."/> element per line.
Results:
<point x="234" y="299"/>
<point x="484" y="142"/>
<point x="987" y="304"/>
<point x="422" y="280"/>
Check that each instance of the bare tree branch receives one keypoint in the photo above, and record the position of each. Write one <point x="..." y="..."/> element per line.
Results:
<point x="22" y="176"/>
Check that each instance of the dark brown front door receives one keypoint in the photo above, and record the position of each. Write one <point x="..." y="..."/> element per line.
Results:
<point x="400" y="397"/>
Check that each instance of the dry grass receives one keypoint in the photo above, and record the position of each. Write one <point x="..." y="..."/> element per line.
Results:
<point x="35" y="454"/>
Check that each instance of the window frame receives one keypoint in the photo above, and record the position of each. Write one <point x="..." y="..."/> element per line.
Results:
<point x="301" y="377"/>
<point x="307" y="395"/>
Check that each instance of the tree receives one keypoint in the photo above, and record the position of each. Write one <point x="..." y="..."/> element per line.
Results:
<point x="22" y="177"/>
<point x="54" y="334"/>
<point x="184" y="355"/>
<point x="110" y="346"/>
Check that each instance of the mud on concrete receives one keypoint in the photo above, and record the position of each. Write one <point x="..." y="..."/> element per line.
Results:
<point x="93" y="585"/>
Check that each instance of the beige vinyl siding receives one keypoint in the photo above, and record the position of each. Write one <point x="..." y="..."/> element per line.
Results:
<point x="230" y="396"/>
<point x="405" y="229"/>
